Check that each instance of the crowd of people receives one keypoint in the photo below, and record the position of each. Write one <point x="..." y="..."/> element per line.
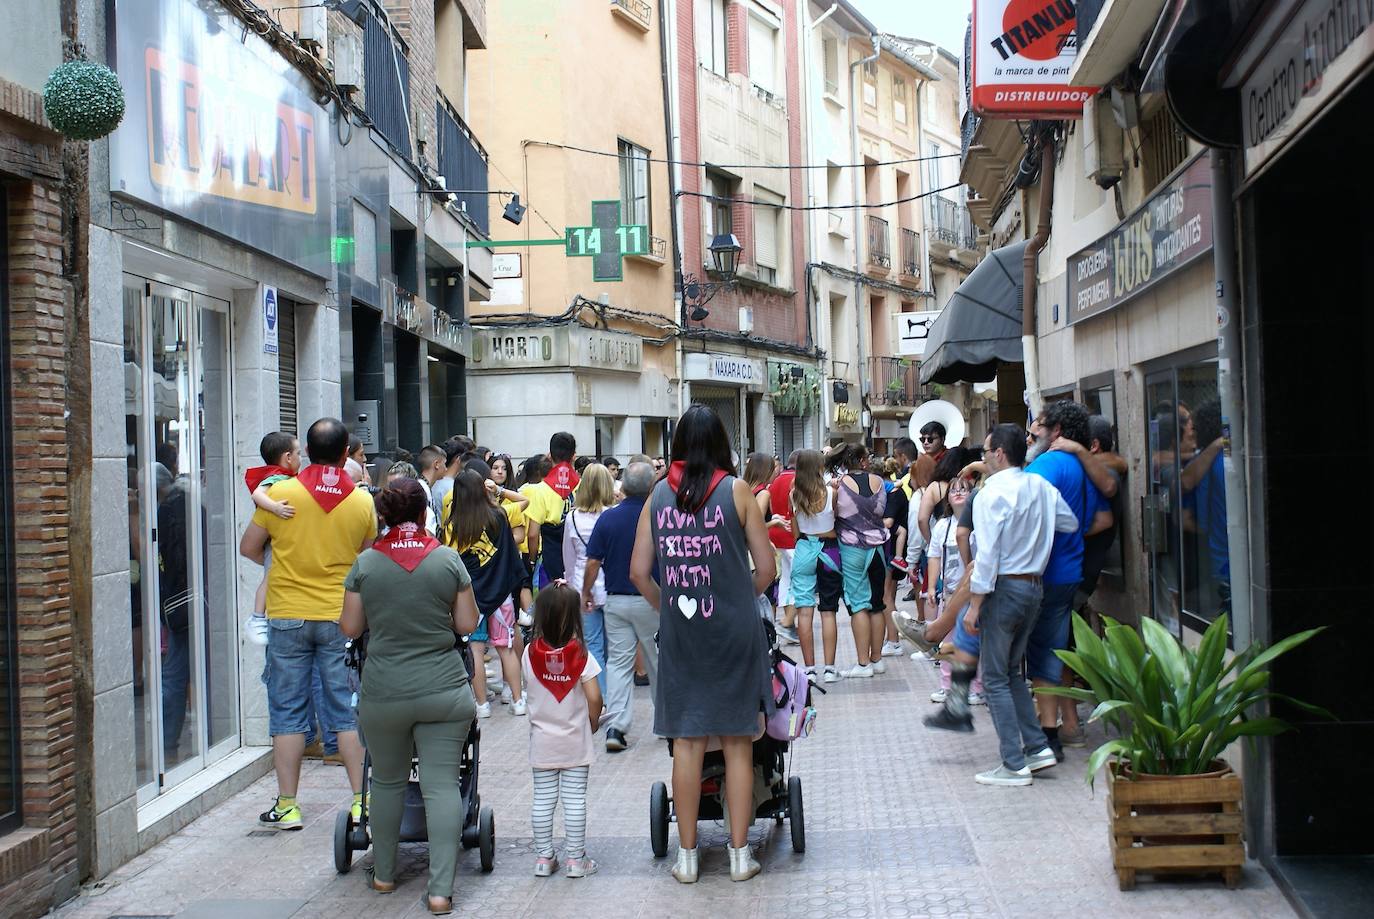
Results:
<point x="580" y="579"/>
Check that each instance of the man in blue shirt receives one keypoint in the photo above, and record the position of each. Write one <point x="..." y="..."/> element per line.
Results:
<point x="630" y="621"/>
<point x="1062" y="458"/>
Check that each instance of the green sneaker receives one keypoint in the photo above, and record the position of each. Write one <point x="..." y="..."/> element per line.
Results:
<point x="282" y="818"/>
<point x="356" y="811"/>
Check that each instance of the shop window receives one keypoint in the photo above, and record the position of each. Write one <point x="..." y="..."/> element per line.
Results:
<point x="1100" y="399"/>
<point x="1184" y="529"/>
<point x="634" y="184"/>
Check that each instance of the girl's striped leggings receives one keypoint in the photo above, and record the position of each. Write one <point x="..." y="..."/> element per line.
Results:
<point x="549" y="786"/>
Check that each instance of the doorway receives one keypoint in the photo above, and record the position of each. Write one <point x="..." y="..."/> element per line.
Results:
<point x="177" y="419"/>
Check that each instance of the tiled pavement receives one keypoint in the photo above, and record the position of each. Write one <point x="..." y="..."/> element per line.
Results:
<point x="895" y="827"/>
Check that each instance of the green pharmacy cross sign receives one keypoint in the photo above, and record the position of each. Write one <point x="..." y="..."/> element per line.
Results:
<point x="606" y="242"/>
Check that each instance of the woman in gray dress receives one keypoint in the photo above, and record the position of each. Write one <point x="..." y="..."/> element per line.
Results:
<point x="699" y="530"/>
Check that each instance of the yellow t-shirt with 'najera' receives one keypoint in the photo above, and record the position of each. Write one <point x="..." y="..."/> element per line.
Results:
<point x="313" y="552"/>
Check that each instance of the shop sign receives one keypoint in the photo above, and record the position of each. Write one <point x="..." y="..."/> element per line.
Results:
<point x="519" y="349"/>
<point x="598" y="350"/>
<point x="270" y="315"/>
<point x="723" y="368"/>
<point x="221" y="130"/>
<point x="1323" y="45"/>
<point x="1165" y="234"/>
<point x="1022" y="52"/>
<point x="846" y="417"/>
<point x="447" y="331"/>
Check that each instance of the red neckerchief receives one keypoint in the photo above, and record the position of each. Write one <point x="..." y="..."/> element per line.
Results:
<point x="328" y="485"/>
<point x="677" y="469"/>
<point x="253" y="477"/>
<point x="407" y="545"/>
<point x="559" y="669"/>
<point x="562" y="478"/>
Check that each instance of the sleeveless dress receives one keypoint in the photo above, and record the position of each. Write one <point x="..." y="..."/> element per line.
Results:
<point x="713" y="669"/>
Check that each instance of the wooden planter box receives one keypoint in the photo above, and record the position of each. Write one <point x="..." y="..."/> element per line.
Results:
<point x="1175" y="825"/>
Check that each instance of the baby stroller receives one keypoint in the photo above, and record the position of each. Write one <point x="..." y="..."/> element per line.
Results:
<point x="479" y="823"/>
<point x="777" y="793"/>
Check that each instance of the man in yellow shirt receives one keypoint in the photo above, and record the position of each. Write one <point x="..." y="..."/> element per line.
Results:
<point x="312" y="552"/>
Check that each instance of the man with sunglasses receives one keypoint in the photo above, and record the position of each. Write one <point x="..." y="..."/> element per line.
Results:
<point x="1016" y="518"/>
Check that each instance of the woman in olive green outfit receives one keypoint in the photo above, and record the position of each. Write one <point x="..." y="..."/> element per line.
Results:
<point x="415" y="597"/>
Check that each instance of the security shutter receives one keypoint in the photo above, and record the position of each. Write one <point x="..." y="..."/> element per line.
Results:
<point x="766" y="229"/>
<point x="286" y="364"/>
<point x="725" y="402"/>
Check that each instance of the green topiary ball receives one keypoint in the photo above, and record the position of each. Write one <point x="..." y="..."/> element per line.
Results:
<point x="84" y="100"/>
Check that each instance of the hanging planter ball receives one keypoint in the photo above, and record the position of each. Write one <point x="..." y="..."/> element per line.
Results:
<point x="83" y="100"/>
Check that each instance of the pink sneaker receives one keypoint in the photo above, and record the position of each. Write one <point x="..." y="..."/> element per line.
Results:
<point x="580" y="867"/>
<point x="545" y="866"/>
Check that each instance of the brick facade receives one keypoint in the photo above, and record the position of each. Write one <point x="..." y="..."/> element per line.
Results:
<point x="39" y="861"/>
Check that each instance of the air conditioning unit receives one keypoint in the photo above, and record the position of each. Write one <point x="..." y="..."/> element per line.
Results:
<point x="746" y="319"/>
<point x="348" y="62"/>
<point x="313" y="29"/>
<point x="1103" y="142"/>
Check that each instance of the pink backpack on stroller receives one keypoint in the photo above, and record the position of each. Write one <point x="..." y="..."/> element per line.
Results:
<point x="792" y="696"/>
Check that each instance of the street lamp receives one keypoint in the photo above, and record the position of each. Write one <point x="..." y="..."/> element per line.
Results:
<point x="725" y="250"/>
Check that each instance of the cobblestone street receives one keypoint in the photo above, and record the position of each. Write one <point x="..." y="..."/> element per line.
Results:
<point x="895" y="827"/>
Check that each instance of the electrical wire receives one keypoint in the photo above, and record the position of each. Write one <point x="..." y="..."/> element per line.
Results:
<point x="650" y="159"/>
<point x="815" y="207"/>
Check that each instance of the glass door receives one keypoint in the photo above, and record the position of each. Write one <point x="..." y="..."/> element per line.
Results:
<point x="185" y="635"/>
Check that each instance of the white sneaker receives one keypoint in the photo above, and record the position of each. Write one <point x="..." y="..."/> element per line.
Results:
<point x="811" y="676"/>
<point x="484" y="710"/>
<point x="1004" y="776"/>
<point x="831" y="675"/>
<point x="878" y="666"/>
<point x="976" y="698"/>
<point x="892" y="649"/>
<point x="525" y="619"/>
<point x="518" y="708"/>
<point x="859" y="672"/>
<point x="1042" y="760"/>
<point x="257" y="629"/>
<point x="919" y="656"/>
<point x="938" y="696"/>
<point x="506" y="697"/>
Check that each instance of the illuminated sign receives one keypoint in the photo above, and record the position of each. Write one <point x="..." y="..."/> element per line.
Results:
<point x="1022" y="52"/>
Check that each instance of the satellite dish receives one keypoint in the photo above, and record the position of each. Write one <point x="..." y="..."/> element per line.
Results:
<point x="947" y="414"/>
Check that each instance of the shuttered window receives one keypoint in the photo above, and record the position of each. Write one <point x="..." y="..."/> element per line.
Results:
<point x="766" y="244"/>
<point x="286" y="365"/>
<point x="763" y="55"/>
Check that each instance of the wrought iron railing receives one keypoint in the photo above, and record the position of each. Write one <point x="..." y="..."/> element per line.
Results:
<point x="949" y="222"/>
<point x="896" y="381"/>
<point x="639" y="9"/>
<point x="879" y="245"/>
<point x="386" y="73"/>
<point x="462" y="161"/>
<point x="911" y="253"/>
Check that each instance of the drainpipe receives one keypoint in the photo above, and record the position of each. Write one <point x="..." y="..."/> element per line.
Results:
<point x="1229" y="388"/>
<point x="855" y="103"/>
<point x="1033" y="248"/>
<point x="666" y="55"/>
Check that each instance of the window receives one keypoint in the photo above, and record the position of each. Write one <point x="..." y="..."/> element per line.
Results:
<point x="710" y="35"/>
<point x="766" y="235"/>
<point x="763" y="55"/>
<point x="721" y="189"/>
<point x="871" y="84"/>
<point x="1163" y="146"/>
<point x="830" y="58"/>
<point x="899" y="100"/>
<point x="634" y="183"/>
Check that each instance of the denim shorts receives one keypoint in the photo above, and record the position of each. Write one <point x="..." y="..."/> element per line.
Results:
<point x="969" y="644"/>
<point x="480" y="634"/>
<point x="1051" y="633"/>
<point x="816" y="569"/>
<point x="294" y="648"/>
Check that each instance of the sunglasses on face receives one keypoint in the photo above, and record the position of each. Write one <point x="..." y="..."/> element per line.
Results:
<point x="929" y="438"/>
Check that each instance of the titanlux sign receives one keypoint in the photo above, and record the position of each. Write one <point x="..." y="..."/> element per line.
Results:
<point x="221" y="130"/>
<point x="1022" y="52"/>
<point x="1169" y="231"/>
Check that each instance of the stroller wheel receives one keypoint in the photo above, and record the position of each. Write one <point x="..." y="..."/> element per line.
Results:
<point x="658" y="819"/>
<point x="486" y="838"/>
<point x="471" y="824"/>
<point x="794" y="814"/>
<point x="343" y="844"/>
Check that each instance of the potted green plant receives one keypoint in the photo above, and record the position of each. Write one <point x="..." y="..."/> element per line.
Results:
<point x="1174" y="803"/>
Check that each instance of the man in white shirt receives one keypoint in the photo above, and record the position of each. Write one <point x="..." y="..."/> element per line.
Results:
<point x="1015" y="516"/>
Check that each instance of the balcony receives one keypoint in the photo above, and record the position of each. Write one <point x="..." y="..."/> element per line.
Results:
<point x="386" y="78"/>
<point x="949" y="226"/>
<point x="896" y="382"/>
<point x="462" y="162"/>
<point x="911" y="255"/>
<point x="637" y="13"/>
<point x="879" y="244"/>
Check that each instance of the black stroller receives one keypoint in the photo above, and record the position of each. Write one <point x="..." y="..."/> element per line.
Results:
<point x="777" y="793"/>
<point x="479" y="823"/>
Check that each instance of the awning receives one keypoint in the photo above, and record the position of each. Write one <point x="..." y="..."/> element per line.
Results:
<point x="980" y="327"/>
